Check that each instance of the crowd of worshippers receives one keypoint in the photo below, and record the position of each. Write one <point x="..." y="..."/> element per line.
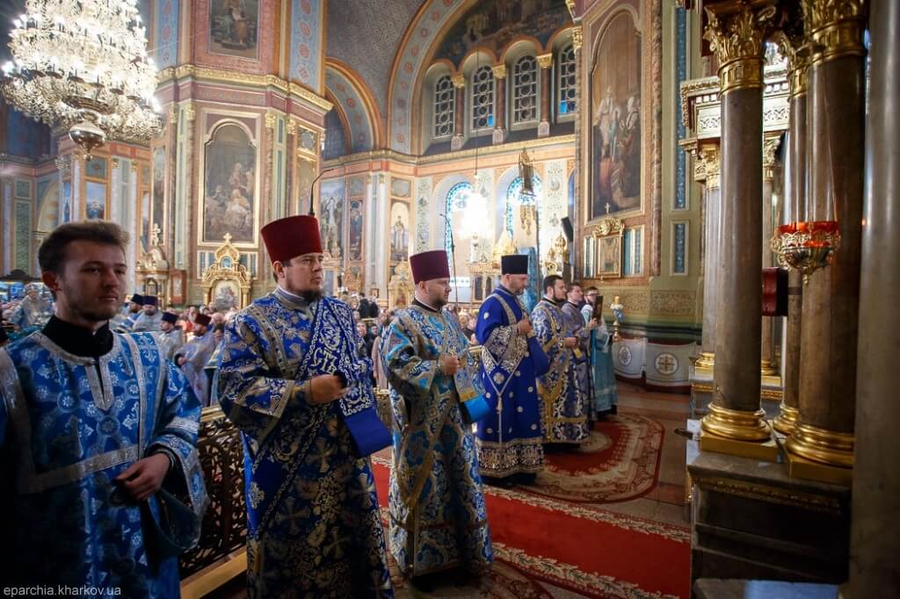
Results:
<point x="100" y="410"/>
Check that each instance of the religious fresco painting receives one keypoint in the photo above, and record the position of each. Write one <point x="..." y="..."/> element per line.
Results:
<point x="356" y="231"/>
<point x="615" y="87"/>
<point x="94" y="200"/>
<point x="157" y="214"/>
<point x="145" y="221"/>
<point x="233" y="27"/>
<point x="96" y="168"/>
<point x="67" y="201"/>
<point x="494" y="23"/>
<point x="229" y="186"/>
<point x="226" y="295"/>
<point x="399" y="231"/>
<point x="331" y="215"/>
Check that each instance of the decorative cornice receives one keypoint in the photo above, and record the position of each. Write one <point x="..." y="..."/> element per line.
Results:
<point x="836" y="28"/>
<point x="499" y="71"/>
<point x="736" y="33"/>
<point x="545" y="61"/>
<point x="189" y="71"/>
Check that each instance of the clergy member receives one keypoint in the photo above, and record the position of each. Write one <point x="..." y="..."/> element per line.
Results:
<point x="33" y="310"/>
<point x="437" y="513"/>
<point x="124" y="320"/>
<point x="171" y="337"/>
<point x="604" y="394"/>
<point x="561" y="391"/>
<point x="194" y="355"/>
<point x="509" y="439"/>
<point x="149" y="319"/>
<point x="102" y="432"/>
<point x="576" y="327"/>
<point x="292" y="381"/>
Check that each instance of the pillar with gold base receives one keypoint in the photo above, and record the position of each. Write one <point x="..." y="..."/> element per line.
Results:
<point x="771" y="142"/>
<point x="736" y="32"/>
<point x="821" y="446"/>
<point x="793" y="46"/>
<point x="709" y="154"/>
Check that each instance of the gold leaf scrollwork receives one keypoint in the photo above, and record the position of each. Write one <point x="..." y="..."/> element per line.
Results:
<point x="738" y="40"/>
<point x="836" y="28"/>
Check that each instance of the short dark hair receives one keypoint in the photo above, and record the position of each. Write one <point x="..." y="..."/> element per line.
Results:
<point x="52" y="253"/>
<point x="550" y="281"/>
<point x="591" y="288"/>
<point x="574" y="284"/>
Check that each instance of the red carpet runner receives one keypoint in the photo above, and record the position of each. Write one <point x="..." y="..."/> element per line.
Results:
<point x="544" y="544"/>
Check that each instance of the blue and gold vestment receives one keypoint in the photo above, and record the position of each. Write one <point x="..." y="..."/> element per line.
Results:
<point x="313" y="521"/>
<point x="561" y="389"/>
<point x="575" y="327"/>
<point x="68" y="426"/>
<point x="438" y="516"/>
<point x="510" y="437"/>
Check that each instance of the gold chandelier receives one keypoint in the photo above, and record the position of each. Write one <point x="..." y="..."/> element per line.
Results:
<point x="83" y="64"/>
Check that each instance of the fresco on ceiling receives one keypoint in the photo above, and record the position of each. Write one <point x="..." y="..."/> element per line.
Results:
<point x="230" y="186"/>
<point x="233" y="27"/>
<point x="615" y="87"/>
<point x="494" y="23"/>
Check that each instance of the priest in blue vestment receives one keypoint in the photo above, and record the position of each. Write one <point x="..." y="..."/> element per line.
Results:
<point x="150" y="317"/>
<point x="438" y="520"/>
<point x="291" y="379"/>
<point x="510" y="437"/>
<point x="562" y="391"/>
<point x="194" y="355"/>
<point x="576" y="327"/>
<point x="124" y="320"/>
<point x="98" y="432"/>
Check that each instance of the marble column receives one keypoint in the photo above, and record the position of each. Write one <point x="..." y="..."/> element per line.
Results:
<point x="500" y="106"/>
<point x="459" y="124"/>
<point x="795" y="176"/>
<point x="545" y="61"/>
<point x="712" y="241"/>
<point x="768" y="362"/>
<point x="828" y="346"/>
<point x="736" y="33"/>
<point x="874" y="526"/>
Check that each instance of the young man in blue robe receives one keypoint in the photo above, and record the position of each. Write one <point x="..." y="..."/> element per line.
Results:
<point x="291" y="379"/>
<point x="510" y="438"/>
<point x="100" y="431"/>
<point x="561" y="390"/>
<point x="438" y="517"/>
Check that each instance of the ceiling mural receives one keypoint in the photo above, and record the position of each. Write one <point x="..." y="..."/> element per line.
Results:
<point x="306" y="42"/>
<point x="350" y="100"/>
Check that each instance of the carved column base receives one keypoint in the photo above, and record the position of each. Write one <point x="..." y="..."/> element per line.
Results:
<point x="822" y="446"/>
<point x="544" y="129"/>
<point x="768" y="368"/>
<point x="737" y="432"/>
<point x="786" y="421"/>
<point x="456" y="143"/>
<point x="706" y="360"/>
<point x="499" y="136"/>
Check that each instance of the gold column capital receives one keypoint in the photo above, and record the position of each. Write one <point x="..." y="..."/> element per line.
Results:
<point x="189" y="113"/>
<point x="499" y="71"/>
<point x="292" y="124"/>
<point x="271" y="121"/>
<point x="577" y="37"/>
<point x="173" y="114"/>
<point x="710" y="155"/>
<point x="545" y="61"/>
<point x="770" y="147"/>
<point x="736" y="33"/>
<point x="793" y="44"/>
<point x="835" y="28"/>
<point x="459" y="81"/>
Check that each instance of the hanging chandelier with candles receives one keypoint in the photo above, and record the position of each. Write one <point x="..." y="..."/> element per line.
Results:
<point x="83" y="64"/>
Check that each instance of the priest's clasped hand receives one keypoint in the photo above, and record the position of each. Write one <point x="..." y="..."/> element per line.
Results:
<point x="524" y="326"/>
<point x="144" y="477"/>
<point x="450" y="365"/>
<point x="326" y="388"/>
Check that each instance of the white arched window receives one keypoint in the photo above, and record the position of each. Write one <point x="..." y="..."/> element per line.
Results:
<point x="525" y="86"/>
<point x="482" y="98"/>
<point x="566" y="68"/>
<point x="444" y="104"/>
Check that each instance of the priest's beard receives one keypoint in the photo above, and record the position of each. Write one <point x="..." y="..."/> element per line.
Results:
<point x="311" y="296"/>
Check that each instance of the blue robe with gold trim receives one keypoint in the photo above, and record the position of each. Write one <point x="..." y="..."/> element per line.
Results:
<point x="314" y="528"/>
<point x="438" y="516"/>
<point x="562" y="390"/>
<point x="510" y="437"/>
<point x="68" y="426"/>
<point x="575" y="327"/>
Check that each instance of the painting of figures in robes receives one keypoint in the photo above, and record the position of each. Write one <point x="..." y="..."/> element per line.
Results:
<point x="230" y="186"/>
<point x="399" y="231"/>
<point x="233" y="27"/>
<point x="356" y="230"/>
<point x="159" y="189"/>
<point x="616" y="120"/>
<point x="94" y="200"/>
<point x="331" y="215"/>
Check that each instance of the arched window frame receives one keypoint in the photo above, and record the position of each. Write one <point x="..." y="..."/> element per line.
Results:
<point x="443" y="109"/>
<point x="525" y="82"/>
<point x="482" y="121"/>
<point x="566" y="79"/>
<point x="514" y="199"/>
<point x="457" y="199"/>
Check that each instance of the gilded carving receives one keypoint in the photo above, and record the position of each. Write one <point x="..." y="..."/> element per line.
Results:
<point x="459" y="81"/>
<point x="793" y="45"/>
<point x="672" y="303"/>
<point x="836" y="28"/>
<point x="271" y="121"/>
<point x="770" y="147"/>
<point x="738" y="40"/>
<point x="499" y="71"/>
<point x="189" y="113"/>
<point x="545" y="61"/>
<point x="577" y="37"/>
<point x="709" y="155"/>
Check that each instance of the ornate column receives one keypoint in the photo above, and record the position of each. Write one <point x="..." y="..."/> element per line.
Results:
<point x="545" y="61"/>
<point x="577" y="39"/>
<point x="712" y="241"/>
<point x="735" y="424"/>
<point x="459" y="125"/>
<point x="500" y="110"/>
<point x="768" y="363"/>
<point x="824" y="432"/>
<point x="874" y="527"/>
<point x="796" y="170"/>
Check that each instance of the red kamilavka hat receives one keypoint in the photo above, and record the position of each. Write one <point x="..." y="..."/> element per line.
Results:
<point x="429" y="265"/>
<point x="293" y="236"/>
